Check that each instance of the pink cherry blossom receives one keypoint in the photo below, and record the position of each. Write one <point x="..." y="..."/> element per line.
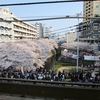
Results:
<point x="82" y="46"/>
<point x="24" y="53"/>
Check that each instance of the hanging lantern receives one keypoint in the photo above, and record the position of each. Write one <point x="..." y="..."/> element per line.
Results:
<point x="88" y="66"/>
<point x="91" y="65"/>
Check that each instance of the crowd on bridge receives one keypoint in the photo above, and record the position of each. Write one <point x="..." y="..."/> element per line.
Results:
<point x="50" y="75"/>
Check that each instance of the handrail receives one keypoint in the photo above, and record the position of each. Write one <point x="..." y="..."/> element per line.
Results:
<point x="50" y="82"/>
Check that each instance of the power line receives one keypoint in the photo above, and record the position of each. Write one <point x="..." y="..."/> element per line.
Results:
<point x="57" y="33"/>
<point x="64" y="31"/>
<point x="39" y="16"/>
<point x="64" y="28"/>
<point x="36" y="3"/>
<point x="50" y="18"/>
<point x="39" y="19"/>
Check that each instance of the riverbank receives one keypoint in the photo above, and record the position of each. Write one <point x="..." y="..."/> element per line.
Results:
<point x="69" y="67"/>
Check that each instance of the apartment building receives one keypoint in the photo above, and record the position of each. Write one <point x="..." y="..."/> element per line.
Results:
<point x="90" y="28"/>
<point x="47" y="31"/>
<point x="91" y="9"/>
<point x="39" y="27"/>
<point x="70" y="36"/>
<point x="12" y="27"/>
<point x="90" y="31"/>
<point x="22" y="29"/>
<point x="5" y="24"/>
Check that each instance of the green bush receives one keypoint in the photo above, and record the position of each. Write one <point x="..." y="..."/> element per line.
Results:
<point x="64" y="63"/>
<point x="59" y="64"/>
<point x="74" y="69"/>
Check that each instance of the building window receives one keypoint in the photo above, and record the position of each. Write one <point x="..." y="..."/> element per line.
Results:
<point x="97" y="2"/>
<point x="97" y="6"/>
<point x="95" y="27"/>
<point x="95" y="37"/>
<point x="95" y="31"/>
<point x="1" y="28"/>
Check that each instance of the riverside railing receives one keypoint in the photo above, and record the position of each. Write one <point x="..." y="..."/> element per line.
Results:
<point x="45" y="82"/>
<point x="50" y="89"/>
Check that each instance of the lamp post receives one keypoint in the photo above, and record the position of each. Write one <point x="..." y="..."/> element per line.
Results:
<point x="78" y="14"/>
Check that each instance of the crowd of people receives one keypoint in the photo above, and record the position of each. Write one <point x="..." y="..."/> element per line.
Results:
<point x="50" y="75"/>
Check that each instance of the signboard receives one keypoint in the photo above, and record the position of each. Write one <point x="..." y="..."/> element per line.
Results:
<point x="96" y="69"/>
<point x="93" y="58"/>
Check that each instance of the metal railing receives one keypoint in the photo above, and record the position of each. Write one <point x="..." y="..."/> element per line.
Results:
<point x="45" y="82"/>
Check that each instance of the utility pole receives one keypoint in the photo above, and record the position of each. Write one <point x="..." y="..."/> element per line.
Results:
<point x="78" y="14"/>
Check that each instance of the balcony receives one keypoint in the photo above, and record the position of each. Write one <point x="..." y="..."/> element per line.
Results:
<point x="23" y="31"/>
<point x="23" y="26"/>
<point x="5" y="33"/>
<point x="5" y="25"/>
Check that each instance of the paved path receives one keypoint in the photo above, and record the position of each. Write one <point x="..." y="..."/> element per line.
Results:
<point x="13" y="97"/>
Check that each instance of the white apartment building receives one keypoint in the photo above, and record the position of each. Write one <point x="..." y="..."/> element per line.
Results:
<point x="5" y="27"/>
<point x="22" y="29"/>
<point x="12" y="28"/>
<point x="70" y="36"/>
<point x="47" y="31"/>
<point x="39" y="27"/>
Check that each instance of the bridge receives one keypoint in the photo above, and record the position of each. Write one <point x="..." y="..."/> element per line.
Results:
<point x="50" y="89"/>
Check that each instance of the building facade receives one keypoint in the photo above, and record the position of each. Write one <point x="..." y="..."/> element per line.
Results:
<point x="5" y="24"/>
<point x="71" y="36"/>
<point x="47" y="31"/>
<point x="12" y="27"/>
<point x="43" y="31"/>
<point x="39" y="27"/>
<point x="90" y="31"/>
<point x="91" y="9"/>
<point x="90" y="28"/>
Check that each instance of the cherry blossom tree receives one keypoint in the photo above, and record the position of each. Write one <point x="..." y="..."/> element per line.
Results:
<point x="82" y="46"/>
<point x="29" y="54"/>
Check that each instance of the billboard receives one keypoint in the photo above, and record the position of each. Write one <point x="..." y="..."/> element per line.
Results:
<point x="93" y="58"/>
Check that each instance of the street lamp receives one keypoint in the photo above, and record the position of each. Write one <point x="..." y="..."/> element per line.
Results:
<point x="78" y="14"/>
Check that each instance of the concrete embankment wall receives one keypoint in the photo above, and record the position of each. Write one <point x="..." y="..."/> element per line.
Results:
<point x="50" y="91"/>
<point x="49" y="64"/>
